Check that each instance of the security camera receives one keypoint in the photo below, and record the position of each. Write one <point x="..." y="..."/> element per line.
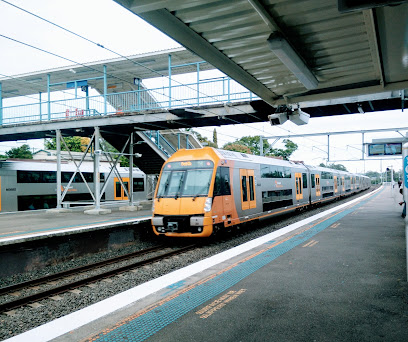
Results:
<point x="278" y="118"/>
<point x="299" y="117"/>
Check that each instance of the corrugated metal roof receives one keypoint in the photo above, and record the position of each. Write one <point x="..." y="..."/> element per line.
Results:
<point x="120" y="73"/>
<point x="361" y="52"/>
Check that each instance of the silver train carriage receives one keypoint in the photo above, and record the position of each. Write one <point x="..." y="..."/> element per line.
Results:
<point x="201" y="191"/>
<point x="31" y="184"/>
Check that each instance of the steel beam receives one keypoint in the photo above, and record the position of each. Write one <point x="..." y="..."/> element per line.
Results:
<point x="175" y="28"/>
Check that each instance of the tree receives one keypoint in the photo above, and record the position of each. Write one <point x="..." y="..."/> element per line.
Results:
<point x="237" y="148"/>
<point x="284" y="153"/>
<point x="374" y="176"/>
<point x="74" y="144"/>
<point x="22" y="152"/>
<point x="254" y="143"/>
<point x="215" y="137"/>
<point x="339" y="167"/>
<point x="203" y="140"/>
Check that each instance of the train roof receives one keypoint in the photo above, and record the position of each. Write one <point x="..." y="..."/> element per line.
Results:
<point x="326" y="169"/>
<point x="238" y="156"/>
<point x="49" y="165"/>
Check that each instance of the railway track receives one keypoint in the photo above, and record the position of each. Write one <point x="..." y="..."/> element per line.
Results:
<point x="22" y="300"/>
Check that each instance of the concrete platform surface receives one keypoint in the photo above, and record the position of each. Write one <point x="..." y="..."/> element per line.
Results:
<point x="38" y="224"/>
<point x="337" y="276"/>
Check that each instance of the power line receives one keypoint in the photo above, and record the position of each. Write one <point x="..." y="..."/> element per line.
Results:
<point x="112" y="51"/>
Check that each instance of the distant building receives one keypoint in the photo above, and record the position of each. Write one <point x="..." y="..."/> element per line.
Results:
<point x="51" y="155"/>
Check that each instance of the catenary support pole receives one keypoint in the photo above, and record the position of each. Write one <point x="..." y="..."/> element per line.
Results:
<point x="49" y="97"/>
<point x="328" y="148"/>
<point x="169" y="66"/>
<point x="96" y="170"/>
<point x="131" y="170"/>
<point x="59" y="185"/>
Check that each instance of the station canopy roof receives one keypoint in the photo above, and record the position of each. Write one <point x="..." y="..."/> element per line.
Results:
<point x="121" y="73"/>
<point x="334" y="55"/>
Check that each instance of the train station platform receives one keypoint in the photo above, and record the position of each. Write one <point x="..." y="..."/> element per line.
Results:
<point x="337" y="276"/>
<point x="25" y="226"/>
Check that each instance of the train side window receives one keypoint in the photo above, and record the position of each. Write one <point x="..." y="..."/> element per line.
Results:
<point x="138" y="184"/>
<point x="313" y="181"/>
<point x="251" y="188"/>
<point x="304" y="176"/>
<point x="225" y="174"/>
<point x="222" y="182"/>
<point x="217" y="184"/>
<point x="118" y="189"/>
<point x="244" y="189"/>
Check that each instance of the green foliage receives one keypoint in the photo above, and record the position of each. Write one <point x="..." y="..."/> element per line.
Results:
<point x="22" y="152"/>
<point x="339" y="167"/>
<point x="290" y="147"/>
<point x="373" y="174"/>
<point x="203" y="140"/>
<point x="215" y="137"/>
<point x="253" y="143"/>
<point x="237" y="148"/>
<point x="74" y="144"/>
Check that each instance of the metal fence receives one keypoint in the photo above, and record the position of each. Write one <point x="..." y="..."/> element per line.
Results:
<point x="205" y="92"/>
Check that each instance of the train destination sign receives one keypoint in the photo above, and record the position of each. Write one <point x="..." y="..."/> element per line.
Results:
<point x="390" y="149"/>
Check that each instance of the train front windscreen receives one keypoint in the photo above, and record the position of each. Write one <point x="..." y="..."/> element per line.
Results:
<point x="186" y="179"/>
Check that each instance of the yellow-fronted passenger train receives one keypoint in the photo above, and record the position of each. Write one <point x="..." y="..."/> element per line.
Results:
<point x="205" y="190"/>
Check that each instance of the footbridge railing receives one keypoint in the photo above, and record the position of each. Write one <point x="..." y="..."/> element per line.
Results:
<point x="205" y="92"/>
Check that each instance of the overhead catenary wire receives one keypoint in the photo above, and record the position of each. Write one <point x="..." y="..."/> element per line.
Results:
<point x="110" y="50"/>
<point x="118" y="54"/>
<point x="56" y="55"/>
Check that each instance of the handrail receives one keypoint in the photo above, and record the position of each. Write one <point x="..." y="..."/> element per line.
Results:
<point x="158" y="139"/>
<point x="209" y="91"/>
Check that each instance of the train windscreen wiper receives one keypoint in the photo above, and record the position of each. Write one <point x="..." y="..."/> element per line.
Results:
<point x="166" y="185"/>
<point x="179" y="187"/>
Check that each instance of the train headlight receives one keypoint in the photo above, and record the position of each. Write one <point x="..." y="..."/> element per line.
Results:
<point x="208" y="204"/>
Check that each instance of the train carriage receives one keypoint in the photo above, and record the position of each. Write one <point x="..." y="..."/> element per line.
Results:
<point x="204" y="190"/>
<point x="31" y="184"/>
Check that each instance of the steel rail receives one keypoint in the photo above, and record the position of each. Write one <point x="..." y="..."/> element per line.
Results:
<point x="76" y="270"/>
<point x="63" y="288"/>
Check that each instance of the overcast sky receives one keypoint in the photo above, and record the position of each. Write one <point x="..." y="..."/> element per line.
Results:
<point x="107" y="23"/>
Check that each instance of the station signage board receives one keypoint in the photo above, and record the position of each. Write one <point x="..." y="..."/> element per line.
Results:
<point x="383" y="149"/>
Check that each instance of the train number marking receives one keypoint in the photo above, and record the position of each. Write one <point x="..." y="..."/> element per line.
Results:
<point x="219" y="303"/>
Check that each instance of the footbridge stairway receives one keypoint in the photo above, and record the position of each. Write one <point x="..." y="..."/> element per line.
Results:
<point x="154" y="147"/>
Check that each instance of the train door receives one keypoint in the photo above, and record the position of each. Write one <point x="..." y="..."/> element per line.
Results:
<point x="223" y="203"/>
<point x="317" y="180"/>
<point x="335" y="184"/>
<point x="343" y="184"/>
<point x="119" y="192"/>
<point x="248" y="199"/>
<point x="299" y="187"/>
